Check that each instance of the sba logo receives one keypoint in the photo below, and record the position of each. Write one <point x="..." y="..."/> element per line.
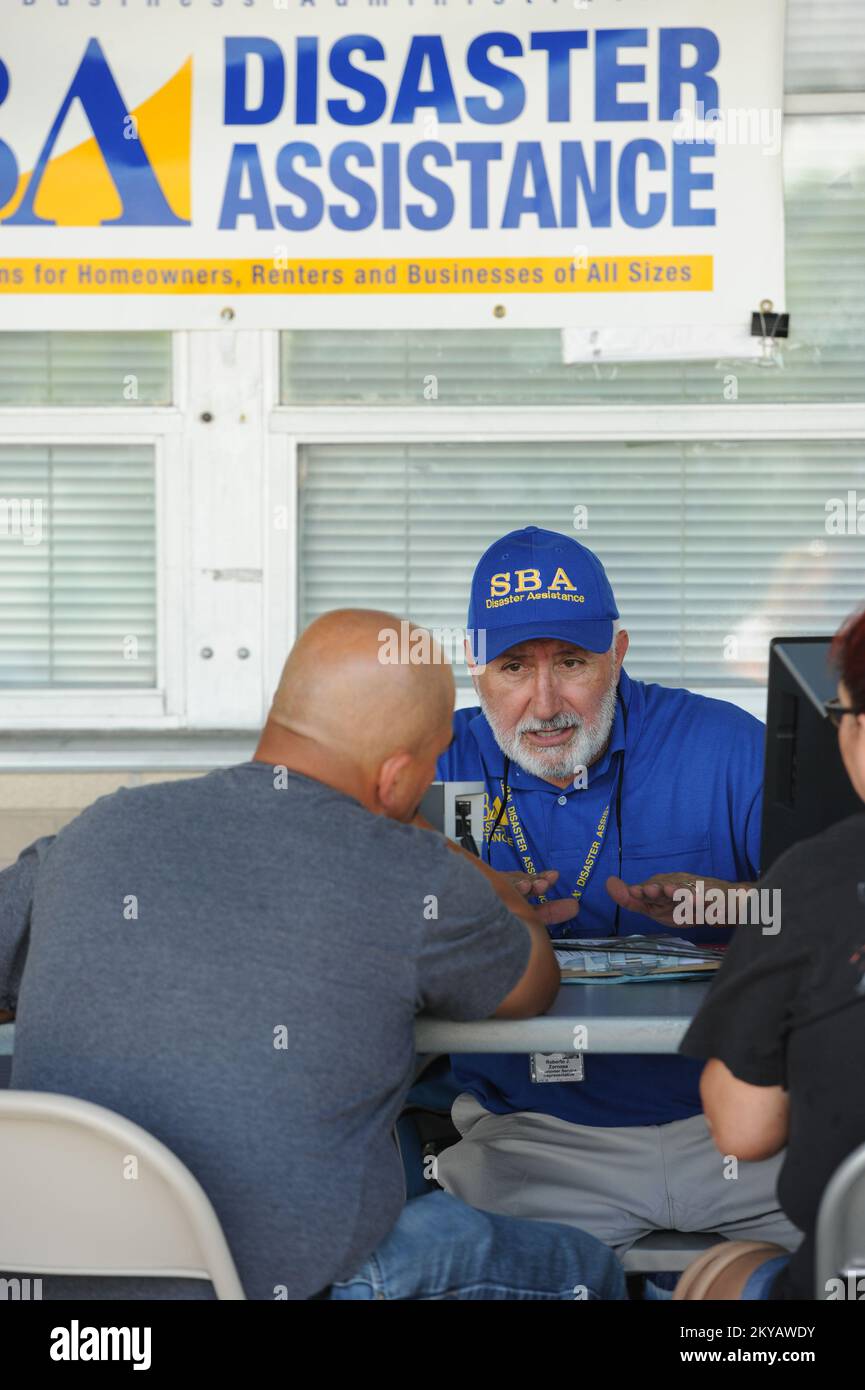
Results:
<point x="527" y="582"/>
<point x="110" y="180"/>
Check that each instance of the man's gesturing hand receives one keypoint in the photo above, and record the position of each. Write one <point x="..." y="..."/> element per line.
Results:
<point x="549" y="914"/>
<point x="552" y="913"/>
<point x="654" y="897"/>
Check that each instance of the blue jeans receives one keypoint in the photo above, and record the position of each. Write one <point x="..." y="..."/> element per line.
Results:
<point x="441" y="1248"/>
<point x="763" y="1277"/>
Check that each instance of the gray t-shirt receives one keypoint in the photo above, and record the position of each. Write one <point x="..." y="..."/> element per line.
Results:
<point x="235" y="962"/>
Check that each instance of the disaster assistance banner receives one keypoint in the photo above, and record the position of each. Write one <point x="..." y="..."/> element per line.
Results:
<point x="613" y="165"/>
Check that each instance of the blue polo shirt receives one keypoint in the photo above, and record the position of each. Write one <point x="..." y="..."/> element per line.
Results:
<point x="691" y="802"/>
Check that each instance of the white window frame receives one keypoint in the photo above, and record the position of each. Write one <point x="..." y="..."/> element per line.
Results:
<point x="159" y="427"/>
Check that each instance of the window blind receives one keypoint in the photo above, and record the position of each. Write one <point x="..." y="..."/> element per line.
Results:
<point x="712" y="548"/>
<point x="824" y="359"/>
<point x="825" y="49"/>
<point x="77" y="566"/>
<point x="120" y="369"/>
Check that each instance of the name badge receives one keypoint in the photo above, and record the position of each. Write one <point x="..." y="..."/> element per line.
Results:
<point x="557" y="1066"/>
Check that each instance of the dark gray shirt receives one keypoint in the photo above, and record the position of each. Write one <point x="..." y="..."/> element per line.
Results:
<point x="788" y="1009"/>
<point x="235" y="962"/>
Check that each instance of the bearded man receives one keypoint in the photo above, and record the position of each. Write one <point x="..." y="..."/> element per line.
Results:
<point x="595" y="782"/>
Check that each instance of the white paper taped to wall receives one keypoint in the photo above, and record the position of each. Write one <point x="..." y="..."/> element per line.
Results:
<point x="665" y="343"/>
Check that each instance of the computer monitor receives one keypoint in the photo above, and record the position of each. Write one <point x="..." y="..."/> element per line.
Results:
<point x="805" y="786"/>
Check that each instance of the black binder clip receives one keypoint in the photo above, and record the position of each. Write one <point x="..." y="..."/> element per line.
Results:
<point x="769" y="326"/>
<point x="765" y="323"/>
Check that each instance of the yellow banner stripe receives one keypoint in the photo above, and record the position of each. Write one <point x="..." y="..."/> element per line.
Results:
<point x="424" y="275"/>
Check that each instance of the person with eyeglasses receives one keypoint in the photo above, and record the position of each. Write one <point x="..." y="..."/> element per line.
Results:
<point x="783" y="1028"/>
<point x="836" y="710"/>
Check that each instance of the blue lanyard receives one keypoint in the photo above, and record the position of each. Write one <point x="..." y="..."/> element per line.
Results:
<point x="600" y="833"/>
<point x="523" y="848"/>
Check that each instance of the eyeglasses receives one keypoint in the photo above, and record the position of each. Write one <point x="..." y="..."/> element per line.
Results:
<point x="836" y="711"/>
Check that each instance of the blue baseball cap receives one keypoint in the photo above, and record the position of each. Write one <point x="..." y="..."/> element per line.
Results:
<point x="535" y="583"/>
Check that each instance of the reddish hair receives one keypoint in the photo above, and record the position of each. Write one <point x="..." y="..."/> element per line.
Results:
<point x="847" y="654"/>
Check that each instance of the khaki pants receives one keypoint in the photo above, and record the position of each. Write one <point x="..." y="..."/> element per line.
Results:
<point x="617" y="1184"/>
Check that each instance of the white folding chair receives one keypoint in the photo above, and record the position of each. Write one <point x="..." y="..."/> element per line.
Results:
<point x="84" y="1191"/>
<point x="841" y="1225"/>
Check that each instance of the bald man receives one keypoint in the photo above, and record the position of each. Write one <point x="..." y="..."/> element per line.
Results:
<point x="235" y="963"/>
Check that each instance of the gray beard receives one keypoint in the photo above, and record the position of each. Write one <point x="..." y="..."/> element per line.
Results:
<point x="584" y="748"/>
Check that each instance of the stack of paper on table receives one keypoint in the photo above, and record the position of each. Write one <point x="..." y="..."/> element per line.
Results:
<point x="619" y="959"/>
